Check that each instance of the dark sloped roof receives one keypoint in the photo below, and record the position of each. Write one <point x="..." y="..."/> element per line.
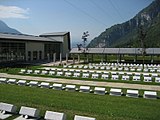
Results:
<point x="54" y="34"/>
<point x="137" y="51"/>
<point x="25" y="37"/>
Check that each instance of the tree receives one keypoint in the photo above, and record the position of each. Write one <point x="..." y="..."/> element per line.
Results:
<point x="141" y="37"/>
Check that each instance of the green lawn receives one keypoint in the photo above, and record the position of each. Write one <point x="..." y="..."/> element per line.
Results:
<point x="101" y="107"/>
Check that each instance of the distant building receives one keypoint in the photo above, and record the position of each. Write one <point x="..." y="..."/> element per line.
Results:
<point x="48" y="46"/>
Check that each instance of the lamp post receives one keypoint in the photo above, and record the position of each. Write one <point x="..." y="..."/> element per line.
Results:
<point x="84" y="37"/>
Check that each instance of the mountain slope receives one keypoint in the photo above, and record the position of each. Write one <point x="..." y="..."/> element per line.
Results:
<point x="5" y="29"/>
<point x="126" y="34"/>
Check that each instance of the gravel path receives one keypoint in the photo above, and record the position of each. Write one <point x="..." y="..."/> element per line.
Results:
<point x="82" y="82"/>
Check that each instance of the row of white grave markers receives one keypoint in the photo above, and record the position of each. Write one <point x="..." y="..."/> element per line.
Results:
<point x="53" y="71"/>
<point x="85" y="89"/>
<point x="28" y="113"/>
<point x="124" y="64"/>
<point x="127" y="67"/>
<point x="105" y="75"/>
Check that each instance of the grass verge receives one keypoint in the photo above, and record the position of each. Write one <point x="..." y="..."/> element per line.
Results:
<point x="72" y="103"/>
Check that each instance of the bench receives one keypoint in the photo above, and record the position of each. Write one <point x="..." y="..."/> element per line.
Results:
<point x="115" y="77"/>
<point x="85" y="89"/>
<point x="37" y="72"/>
<point x="22" y="71"/>
<point x="47" y="68"/>
<point x="53" y="69"/>
<point x="121" y="73"/>
<point x="129" y="73"/>
<point x="78" y="71"/>
<point x="85" y="67"/>
<point x="68" y="74"/>
<point x="3" y="80"/>
<point x="21" y="82"/>
<point x="147" y="79"/>
<point x="76" y="74"/>
<point x="80" y="66"/>
<point x="28" y="112"/>
<point x="85" y="71"/>
<point x="132" y="69"/>
<point x="57" y="86"/>
<point x="152" y="70"/>
<point x="85" y="75"/>
<point x="71" y="70"/>
<point x="29" y="71"/>
<point x="146" y="74"/>
<point x="158" y="70"/>
<point x="115" y="92"/>
<point x="77" y="117"/>
<point x="126" y="69"/>
<point x="95" y="76"/>
<point x="45" y="85"/>
<point x="99" y="90"/>
<point x="70" y="66"/>
<point x="70" y="87"/>
<point x="125" y="77"/>
<point x="102" y="68"/>
<point x="114" y="68"/>
<point x="58" y="69"/>
<point x="6" y="110"/>
<point x="33" y="83"/>
<point x="99" y="72"/>
<point x="114" y="73"/>
<point x="157" y="79"/>
<point x="145" y="70"/>
<point x="136" y="78"/>
<point x="139" y="69"/>
<point x="59" y="73"/>
<point x="50" y="115"/>
<point x="120" y="69"/>
<point x="105" y="72"/>
<point x="108" y="68"/>
<point x="154" y="75"/>
<point x="75" y="66"/>
<point x="137" y="74"/>
<point x="150" y="94"/>
<point x="132" y="93"/>
<point x="11" y="81"/>
<point x="44" y="72"/>
<point x="105" y="76"/>
<point x="51" y="72"/>
<point x="96" y="67"/>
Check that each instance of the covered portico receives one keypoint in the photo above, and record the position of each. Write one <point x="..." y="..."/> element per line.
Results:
<point x="118" y="53"/>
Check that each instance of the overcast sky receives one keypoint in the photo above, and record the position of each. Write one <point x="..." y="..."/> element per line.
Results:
<point x="40" y="16"/>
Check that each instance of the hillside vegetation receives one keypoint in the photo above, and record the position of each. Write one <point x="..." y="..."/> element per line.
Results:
<point x="126" y="34"/>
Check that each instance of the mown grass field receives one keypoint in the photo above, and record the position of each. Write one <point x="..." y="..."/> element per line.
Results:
<point x="101" y="107"/>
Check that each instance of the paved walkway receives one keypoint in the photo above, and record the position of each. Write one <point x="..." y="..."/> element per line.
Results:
<point x="82" y="82"/>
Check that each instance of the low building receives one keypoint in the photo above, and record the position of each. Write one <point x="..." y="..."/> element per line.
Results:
<point x="20" y="47"/>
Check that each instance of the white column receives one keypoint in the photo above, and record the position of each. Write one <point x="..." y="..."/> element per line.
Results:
<point x="102" y="58"/>
<point x="54" y="57"/>
<point x="48" y="56"/>
<point x="26" y="54"/>
<point x="66" y="57"/>
<point x="37" y="55"/>
<point x="78" y="58"/>
<point x="73" y="59"/>
<point x="31" y="55"/>
<point x="152" y="60"/>
<point x="87" y="58"/>
<point x="60" y="57"/>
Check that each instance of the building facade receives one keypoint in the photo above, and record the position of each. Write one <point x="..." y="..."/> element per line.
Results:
<point x="49" y="46"/>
